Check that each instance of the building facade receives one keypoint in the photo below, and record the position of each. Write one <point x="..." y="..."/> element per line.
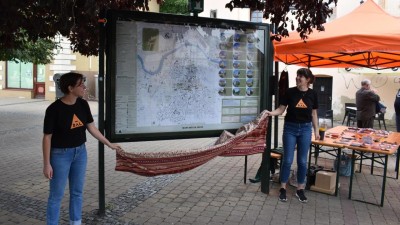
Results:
<point x="36" y="81"/>
<point x="26" y="80"/>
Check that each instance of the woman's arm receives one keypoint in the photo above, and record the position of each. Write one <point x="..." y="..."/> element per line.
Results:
<point x="315" y="123"/>
<point x="281" y="109"/>
<point x="99" y="136"/>
<point x="46" y="144"/>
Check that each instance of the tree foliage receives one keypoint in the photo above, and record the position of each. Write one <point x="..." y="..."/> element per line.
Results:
<point x="174" y="7"/>
<point x="310" y="14"/>
<point x="41" y="20"/>
<point x="33" y="23"/>
<point x="40" y="51"/>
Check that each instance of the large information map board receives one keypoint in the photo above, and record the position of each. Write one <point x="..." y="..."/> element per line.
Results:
<point x="172" y="76"/>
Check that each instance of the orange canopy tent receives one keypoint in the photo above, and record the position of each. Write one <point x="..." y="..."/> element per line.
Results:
<point x="366" y="37"/>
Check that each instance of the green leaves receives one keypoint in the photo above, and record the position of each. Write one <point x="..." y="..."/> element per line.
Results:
<point x="175" y="7"/>
<point x="309" y="14"/>
<point x="37" y="52"/>
<point x="28" y="27"/>
<point x="42" y="20"/>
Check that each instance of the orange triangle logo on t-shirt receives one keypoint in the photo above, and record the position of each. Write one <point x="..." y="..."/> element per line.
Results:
<point x="301" y="104"/>
<point x="76" y="122"/>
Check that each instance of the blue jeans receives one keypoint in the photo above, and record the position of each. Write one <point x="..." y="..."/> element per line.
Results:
<point x="68" y="164"/>
<point x="398" y="122"/>
<point x="295" y="134"/>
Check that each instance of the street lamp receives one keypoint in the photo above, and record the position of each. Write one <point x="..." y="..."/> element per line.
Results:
<point x="196" y="6"/>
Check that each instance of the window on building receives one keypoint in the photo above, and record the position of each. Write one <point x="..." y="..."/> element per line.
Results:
<point x="40" y="73"/>
<point x="256" y="16"/>
<point x="21" y="75"/>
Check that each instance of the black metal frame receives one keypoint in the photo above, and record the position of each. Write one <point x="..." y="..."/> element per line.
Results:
<point x="374" y="159"/>
<point x="360" y="59"/>
<point x="384" y="176"/>
<point x="105" y="123"/>
<point x="383" y="182"/>
<point x="346" y="112"/>
<point x="117" y="15"/>
<point x="384" y="162"/>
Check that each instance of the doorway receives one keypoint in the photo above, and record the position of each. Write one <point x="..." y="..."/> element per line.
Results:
<point x="39" y="85"/>
<point x="323" y="87"/>
<point x="39" y="90"/>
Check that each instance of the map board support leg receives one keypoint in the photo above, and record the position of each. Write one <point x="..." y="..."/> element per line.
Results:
<point x="267" y="98"/>
<point x="100" y="81"/>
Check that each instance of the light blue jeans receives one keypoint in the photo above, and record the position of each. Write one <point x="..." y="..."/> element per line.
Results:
<point x="295" y="134"/>
<point x="68" y="164"/>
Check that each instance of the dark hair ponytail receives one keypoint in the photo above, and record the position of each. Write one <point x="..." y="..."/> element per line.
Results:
<point x="307" y="74"/>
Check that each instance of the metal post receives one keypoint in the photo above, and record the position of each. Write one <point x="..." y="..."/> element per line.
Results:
<point x="276" y="118"/>
<point x="100" y="81"/>
<point x="265" y="163"/>
<point x="196" y="7"/>
<point x="352" y="172"/>
<point x="245" y="169"/>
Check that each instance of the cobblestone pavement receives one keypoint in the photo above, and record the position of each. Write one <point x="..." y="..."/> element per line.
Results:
<point x="211" y="194"/>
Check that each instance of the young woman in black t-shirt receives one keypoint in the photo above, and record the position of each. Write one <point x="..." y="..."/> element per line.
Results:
<point x="64" y="150"/>
<point x="301" y="103"/>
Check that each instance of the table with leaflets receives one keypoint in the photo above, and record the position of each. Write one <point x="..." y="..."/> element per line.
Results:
<point x="360" y="141"/>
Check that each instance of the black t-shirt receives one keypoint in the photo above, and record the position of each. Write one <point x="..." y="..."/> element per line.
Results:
<point x="299" y="104"/>
<point x="397" y="103"/>
<point x="67" y="123"/>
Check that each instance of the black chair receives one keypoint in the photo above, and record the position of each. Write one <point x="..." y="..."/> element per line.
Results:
<point x="351" y="118"/>
<point x="346" y="111"/>
<point x="380" y="116"/>
<point x="329" y="115"/>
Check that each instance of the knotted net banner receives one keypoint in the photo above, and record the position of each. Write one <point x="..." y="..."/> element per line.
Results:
<point x="248" y="139"/>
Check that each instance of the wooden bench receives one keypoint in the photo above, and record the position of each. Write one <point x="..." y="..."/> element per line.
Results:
<point x="276" y="155"/>
<point x="273" y="155"/>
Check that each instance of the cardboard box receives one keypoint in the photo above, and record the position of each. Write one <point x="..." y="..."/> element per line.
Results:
<point x="325" y="180"/>
<point x="331" y="191"/>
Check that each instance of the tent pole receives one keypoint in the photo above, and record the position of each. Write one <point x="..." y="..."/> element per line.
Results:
<point x="276" y="125"/>
<point x="369" y="58"/>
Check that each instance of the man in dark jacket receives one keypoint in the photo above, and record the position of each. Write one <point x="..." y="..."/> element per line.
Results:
<point x="366" y="100"/>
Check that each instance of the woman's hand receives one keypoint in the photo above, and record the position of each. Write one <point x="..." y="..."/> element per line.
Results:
<point x="114" y="146"/>
<point x="48" y="171"/>
<point x="317" y="137"/>
<point x="281" y="109"/>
